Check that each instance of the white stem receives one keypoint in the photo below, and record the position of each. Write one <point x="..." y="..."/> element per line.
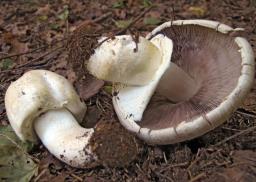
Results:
<point x="176" y="85"/>
<point x="64" y="137"/>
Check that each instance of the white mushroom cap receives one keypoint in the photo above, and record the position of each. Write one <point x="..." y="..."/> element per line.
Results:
<point x="112" y="61"/>
<point x="49" y="102"/>
<point x="222" y="72"/>
<point x="44" y="104"/>
<point x="133" y="100"/>
<point x="35" y="93"/>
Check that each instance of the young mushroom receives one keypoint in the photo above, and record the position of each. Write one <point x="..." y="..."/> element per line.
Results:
<point x="202" y="75"/>
<point x="42" y="104"/>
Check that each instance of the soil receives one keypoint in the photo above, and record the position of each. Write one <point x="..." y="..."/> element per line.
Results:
<point x="44" y="31"/>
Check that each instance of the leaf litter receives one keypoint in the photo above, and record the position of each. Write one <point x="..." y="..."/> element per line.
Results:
<point x="195" y="160"/>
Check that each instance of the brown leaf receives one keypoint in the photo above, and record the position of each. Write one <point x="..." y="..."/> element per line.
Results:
<point x="243" y="169"/>
<point x="49" y="168"/>
<point x="92" y="116"/>
<point x="43" y="10"/>
<point x="88" y="86"/>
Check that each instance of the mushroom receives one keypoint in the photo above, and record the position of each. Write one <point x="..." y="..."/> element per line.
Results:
<point x="42" y="104"/>
<point x="204" y="75"/>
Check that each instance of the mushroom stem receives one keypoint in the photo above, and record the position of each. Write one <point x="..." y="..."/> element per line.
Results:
<point x="64" y="137"/>
<point x="176" y="85"/>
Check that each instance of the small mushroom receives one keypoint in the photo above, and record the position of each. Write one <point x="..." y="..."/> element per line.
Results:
<point x="42" y="104"/>
<point x="204" y="75"/>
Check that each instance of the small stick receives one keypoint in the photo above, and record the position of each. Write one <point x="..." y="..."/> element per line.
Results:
<point x="197" y="177"/>
<point x="134" y="21"/>
<point x="246" y="114"/>
<point x="76" y="177"/>
<point x="23" y="53"/>
<point x="40" y="175"/>
<point x="127" y="27"/>
<point x="104" y="16"/>
<point x="46" y="54"/>
<point x="28" y="52"/>
<point x="235" y="135"/>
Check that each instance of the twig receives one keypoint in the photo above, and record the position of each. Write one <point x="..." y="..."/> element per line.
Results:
<point x="23" y="53"/>
<point x="29" y="52"/>
<point x="197" y="177"/>
<point x="104" y="16"/>
<point x="174" y="165"/>
<point x="127" y="27"/>
<point x="76" y="177"/>
<point x="246" y="114"/>
<point x="40" y="57"/>
<point x="134" y="21"/>
<point x="235" y="135"/>
<point x="164" y="176"/>
<point x="40" y="175"/>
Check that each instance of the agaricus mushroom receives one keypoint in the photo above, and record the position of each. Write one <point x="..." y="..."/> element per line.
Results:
<point x="42" y="104"/>
<point x="203" y="76"/>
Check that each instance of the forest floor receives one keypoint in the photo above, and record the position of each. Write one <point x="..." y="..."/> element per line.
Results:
<point x="41" y="29"/>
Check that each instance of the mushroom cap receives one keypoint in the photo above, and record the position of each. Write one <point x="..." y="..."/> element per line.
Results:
<point x="35" y="93"/>
<point x="222" y="65"/>
<point x="112" y="60"/>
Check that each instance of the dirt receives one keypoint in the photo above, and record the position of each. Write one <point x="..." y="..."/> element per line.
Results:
<point x="43" y="28"/>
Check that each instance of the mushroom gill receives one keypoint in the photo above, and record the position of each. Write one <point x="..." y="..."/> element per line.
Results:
<point x="213" y="61"/>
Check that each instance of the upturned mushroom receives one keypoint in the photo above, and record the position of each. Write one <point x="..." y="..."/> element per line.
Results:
<point x="202" y="74"/>
<point x="42" y="104"/>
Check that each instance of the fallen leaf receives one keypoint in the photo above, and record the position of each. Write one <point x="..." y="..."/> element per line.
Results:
<point x="92" y="116"/>
<point x="64" y="14"/>
<point x="242" y="170"/>
<point x="6" y="64"/>
<point x="43" y="17"/>
<point x="15" y="163"/>
<point x="196" y="10"/>
<point x="43" y="10"/>
<point x="54" y="26"/>
<point x="118" y="4"/>
<point x="151" y="21"/>
<point x="122" y="23"/>
<point x="147" y="3"/>
<point x="89" y="86"/>
<point x="108" y="89"/>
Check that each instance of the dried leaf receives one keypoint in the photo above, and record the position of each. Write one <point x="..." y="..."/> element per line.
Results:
<point x="108" y="89"/>
<point x="243" y="169"/>
<point x="15" y="164"/>
<point x="54" y="26"/>
<point x="151" y="21"/>
<point x="122" y="23"/>
<point x="199" y="11"/>
<point x="118" y="4"/>
<point x="43" y="17"/>
<point x="6" y="64"/>
<point x="64" y="14"/>
<point x="89" y="86"/>
<point x="147" y="3"/>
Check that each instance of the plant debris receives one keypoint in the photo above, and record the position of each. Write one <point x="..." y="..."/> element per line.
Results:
<point x="43" y="35"/>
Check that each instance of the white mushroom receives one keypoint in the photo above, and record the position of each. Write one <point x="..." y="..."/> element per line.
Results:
<point x="209" y="75"/>
<point x="46" y="102"/>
